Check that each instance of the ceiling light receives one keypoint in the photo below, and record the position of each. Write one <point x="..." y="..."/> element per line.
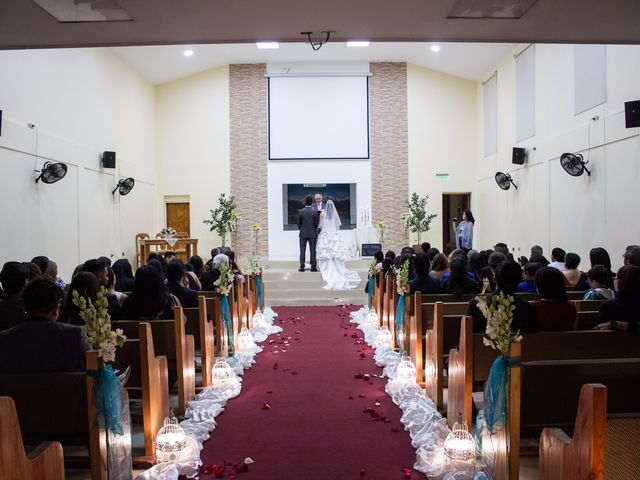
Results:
<point x="267" y="45"/>
<point x="188" y="53"/>
<point x="435" y="48"/>
<point x="358" y="43"/>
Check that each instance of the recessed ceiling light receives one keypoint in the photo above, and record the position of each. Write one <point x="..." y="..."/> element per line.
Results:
<point x="188" y="52"/>
<point x="267" y="45"/>
<point x="358" y="43"/>
<point x="435" y="48"/>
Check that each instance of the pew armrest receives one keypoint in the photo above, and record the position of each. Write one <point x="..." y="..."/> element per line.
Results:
<point x="47" y="461"/>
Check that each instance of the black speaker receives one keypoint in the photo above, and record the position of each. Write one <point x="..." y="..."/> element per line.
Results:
<point x="108" y="159"/>
<point x="519" y="155"/>
<point x="632" y="114"/>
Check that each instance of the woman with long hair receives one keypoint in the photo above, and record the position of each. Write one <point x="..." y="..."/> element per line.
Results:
<point x="464" y="231"/>
<point x="124" y="275"/>
<point x="86" y="284"/>
<point x="553" y="311"/>
<point x="150" y="299"/>
<point x="459" y="282"/>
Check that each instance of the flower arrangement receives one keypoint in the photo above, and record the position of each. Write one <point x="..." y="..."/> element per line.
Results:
<point x="372" y="267"/>
<point x="168" y="232"/>
<point x="256" y="228"/>
<point x="255" y="268"/>
<point x="499" y="315"/>
<point x="220" y="218"/>
<point x="97" y="325"/>
<point x="235" y="221"/>
<point x="419" y="221"/>
<point x="381" y="226"/>
<point x="402" y="277"/>
<point x="255" y="232"/>
<point x="225" y="282"/>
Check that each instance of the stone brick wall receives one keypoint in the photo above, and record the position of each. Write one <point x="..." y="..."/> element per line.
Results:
<point x="248" y="149"/>
<point x="389" y="148"/>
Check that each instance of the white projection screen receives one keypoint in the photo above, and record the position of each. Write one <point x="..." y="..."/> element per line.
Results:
<point x="321" y="117"/>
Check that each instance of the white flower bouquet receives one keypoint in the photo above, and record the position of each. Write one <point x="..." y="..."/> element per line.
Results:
<point x="499" y="315"/>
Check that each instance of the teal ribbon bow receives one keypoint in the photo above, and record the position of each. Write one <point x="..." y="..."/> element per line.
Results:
<point x="370" y="291"/>
<point x="399" y="322"/>
<point x="495" y="395"/>
<point x="107" y="397"/>
<point x="226" y="318"/>
<point x="259" y="293"/>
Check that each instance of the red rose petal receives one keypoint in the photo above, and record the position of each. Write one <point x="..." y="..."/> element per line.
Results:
<point x="363" y="472"/>
<point x="351" y="398"/>
<point x="362" y="395"/>
<point x="358" y="375"/>
<point x="275" y="366"/>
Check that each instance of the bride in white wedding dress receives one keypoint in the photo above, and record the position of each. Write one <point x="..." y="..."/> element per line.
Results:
<point x="331" y="253"/>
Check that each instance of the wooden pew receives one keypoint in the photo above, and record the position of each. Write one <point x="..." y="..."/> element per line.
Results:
<point x="67" y="415"/>
<point x="170" y="340"/>
<point x="149" y="376"/>
<point x="46" y="462"/>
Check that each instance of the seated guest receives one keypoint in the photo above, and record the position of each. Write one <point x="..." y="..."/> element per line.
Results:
<point x="553" y="311"/>
<point x="487" y="274"/>
<point x="623" y="312"/>
<point x="407" y="251"/>
<point x="176" y="279"/>
<point x="536" y="251"/>
<point x="33" y="270"/>
<point x="425" y="247"/>
<point x="378" y="257"/>
<point x="459" y="282"/>
<point x="99" y="269"/>
<point x="540" y="259"/>
<point x="150" y="299"/>
<point x="390" y="254"/>
<point x="169" y="257"/>
<point x="597" y="256"/>
<point x="157" y="266"/>
<point x="458" y="253"/>
<point x="214" y="252"/>
<point x="160" y="259"/>
<point x="432" y="253"/>
<point x="14" y="276"/>
<point x="124" y="275"/>
<point x="111" y="286"/>
<point x="198" y="265"/>
<point x="406" y="257"/>
<point x="387" y="265"/>
<point x="598" y="290"/>
<point x="237" y="271"/>
<point x="439" y="266"/>
<point x="632" y="255"/>
<point x="193" y="281"/>
<point x="77" y="270"/>
<point x="422" y="282"/>
<point x="209" y="278"/>
<point x="40" y="344"/>
<point x="87" y="286"/>
<point x="571" y="272"/>
<point x="42" y="262"/>
<point x="557" y="259"/>
<point x="508" y="274"/>
<point x="528" y="285"/>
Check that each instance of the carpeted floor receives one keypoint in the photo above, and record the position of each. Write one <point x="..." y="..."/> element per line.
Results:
<point x="307" y="412"/>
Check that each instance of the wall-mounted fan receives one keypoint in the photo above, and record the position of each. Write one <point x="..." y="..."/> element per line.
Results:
<point x="124" y="186"/>
<point x="574" y="164"/>
<point x="504" y="181"/>
<point x="51" y="172"/>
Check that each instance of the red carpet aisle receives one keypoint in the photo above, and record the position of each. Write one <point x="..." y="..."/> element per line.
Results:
<point x="304" y="414"/>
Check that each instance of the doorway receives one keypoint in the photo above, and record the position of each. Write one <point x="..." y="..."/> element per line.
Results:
<point x="453" y="204"/>
<point x="178" y="218"/>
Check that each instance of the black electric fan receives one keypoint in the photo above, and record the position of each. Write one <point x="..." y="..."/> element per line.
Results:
<point x="504" y="181"/>
<point x="124" y="186"/>
<point x="51" y="172"/>
<point x="574" y="164"/>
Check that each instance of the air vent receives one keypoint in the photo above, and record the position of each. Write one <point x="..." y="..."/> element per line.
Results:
<point x="69" y="11"/>
<point x="490" y="8"/>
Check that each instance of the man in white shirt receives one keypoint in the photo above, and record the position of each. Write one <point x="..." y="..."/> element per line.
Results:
<point x="557" y="259"/>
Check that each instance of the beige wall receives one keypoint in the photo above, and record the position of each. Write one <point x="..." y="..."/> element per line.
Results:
<point x="442" y="139"/>
<point x="83" y="101"/>
<point x="192" y="145"/>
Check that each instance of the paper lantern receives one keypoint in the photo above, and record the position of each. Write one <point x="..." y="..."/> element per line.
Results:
<point x="459" y="444"/>
<point x="222" y="376"/>
<point x="171" y="441"/>
<point x="406" y="371"/>
<point x="245" y="340"/>
<point x="372" y="317"/>
<point x="258" y="319"/>
<point x="383" y="339"/>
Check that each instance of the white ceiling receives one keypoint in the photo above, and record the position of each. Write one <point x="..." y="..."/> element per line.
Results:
<point x="160" y="64"/>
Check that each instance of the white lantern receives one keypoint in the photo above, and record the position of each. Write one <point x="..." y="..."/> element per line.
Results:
<point x="245" y="340"/>
<point x="459" y="444"/>
<point x="406" y="371"/>
<point x="171" y="441"/>
<point x="372" y="317"/>
<point x="258" y="319"/>
<point x="222" y="376"/>
<point x="383" y="339"/>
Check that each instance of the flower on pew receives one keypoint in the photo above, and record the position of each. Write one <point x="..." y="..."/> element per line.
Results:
<point x="372" y="267"/>
<point x="499" y="315"/>
<point x="402" y="277"/>
<point x="225" y="281"/>
<point x="97" y="325"/>
<point x="255" y="268"/>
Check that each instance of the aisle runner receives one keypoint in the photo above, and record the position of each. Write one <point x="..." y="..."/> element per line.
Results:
<point x="312" y="407"/>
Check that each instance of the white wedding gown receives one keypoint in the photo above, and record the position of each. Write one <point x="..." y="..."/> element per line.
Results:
<point x="331" y="255"/>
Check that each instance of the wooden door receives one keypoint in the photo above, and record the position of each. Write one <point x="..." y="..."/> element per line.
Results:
<point x="178" y="217"/>
<point x="453" y="204"/>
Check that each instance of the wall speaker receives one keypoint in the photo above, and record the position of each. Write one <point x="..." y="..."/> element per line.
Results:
<point x="519" y="155"/>
<point x="632" y="114"/>
<point x="108" y="159"/>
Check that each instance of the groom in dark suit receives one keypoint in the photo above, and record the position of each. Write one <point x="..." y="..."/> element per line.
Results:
<point x="308" y="226"/>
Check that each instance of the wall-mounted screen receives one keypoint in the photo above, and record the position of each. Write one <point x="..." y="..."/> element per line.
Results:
<point x="320" y="117"/>
<point x="342" y="194"/>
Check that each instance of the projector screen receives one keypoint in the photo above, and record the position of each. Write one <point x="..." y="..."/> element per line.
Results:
<point x="318" y="118"/>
